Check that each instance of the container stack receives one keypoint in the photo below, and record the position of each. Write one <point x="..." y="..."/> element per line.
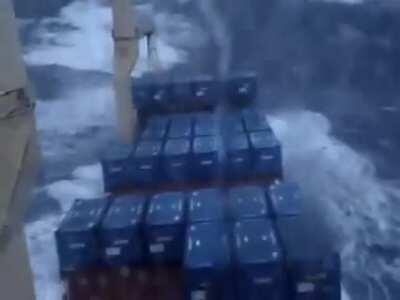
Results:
<point x="242" y="242"/>
<point x="314" y="268"/>
<point x="152" y="95"/>
<point x="188" y="150"/>
<point x="196" y="209"/>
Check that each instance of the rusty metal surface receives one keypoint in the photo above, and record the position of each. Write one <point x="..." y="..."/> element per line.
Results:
<point x="127" y="283"/>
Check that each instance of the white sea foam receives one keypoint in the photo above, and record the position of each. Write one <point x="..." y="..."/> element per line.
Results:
<point x="86" y="183"/>
<point x="343" y="184"/>
<point x="88" y="44"/>
<point x="77" y="110"/>
<point x="44" y="260"/>
<point x="329" y="169"/>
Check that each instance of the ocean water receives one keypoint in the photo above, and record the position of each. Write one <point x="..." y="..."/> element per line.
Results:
<point x="338" y="175"/>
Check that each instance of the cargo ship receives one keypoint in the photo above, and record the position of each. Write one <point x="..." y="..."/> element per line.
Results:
<point x="197" y="208"/>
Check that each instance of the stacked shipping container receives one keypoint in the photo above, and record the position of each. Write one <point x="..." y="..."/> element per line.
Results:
<point x="196" y="210"/>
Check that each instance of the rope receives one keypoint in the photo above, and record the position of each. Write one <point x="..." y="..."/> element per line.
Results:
<point x="21" y="105"/>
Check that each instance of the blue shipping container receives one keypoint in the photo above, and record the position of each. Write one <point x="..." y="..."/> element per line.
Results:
<point x="310" y="256"/>
<point x="248" y="202"/>
<point x="77" y="236"/>
<point x="256" y="121"/>
<point x="146" y="163"/>
<point x="150" y="97"/>
<point x="208" y="263"/>
<point x="181" y="127"/>
<point x="206" y="124"/>
<point x="183" y="94"/>
<point x="267" y="154"/>
<point x="206" y="162"/>
<point x="301" y="241"/>
<point x="141" y="95"/>
<point x="286" y="199"/>
<point x="317" y="281"/>
<point x="156" y="129"/>
<point x="117" y="168"/>
<point x="176" y="160"/>
<point x="232" y="124"/>
<point x="207" y="91"/>
<point x="121" y="232"/>
<point x="165" y="228"/>
<point x="238" y="157"/>
<point x="206" y="205"/>
<point x="260" y="266"/>
<point x="161" y="97"/>
<point x="242" y="89"/>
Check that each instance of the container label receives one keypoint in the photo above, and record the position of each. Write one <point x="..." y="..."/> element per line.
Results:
<point x="262" y="280"/>
<point x="113" y="251"/>
<point x="157" y="248"/>
<point x="206" y="162"/>
<point x="244" y="89"/>
<point x="177" y="164"/>
<point x="116" y="169"/>
<point x="305" y="287"/>
<point x="199" y="295"/>
<point x="76" y="246"/>
<point x="201" y="92"/>
<point x="267" y="157"/>
<point x="121" y="242"/>
<point x="238" y="160"/>
<point x="165" y="239"/>
<point x="145" y="167"/>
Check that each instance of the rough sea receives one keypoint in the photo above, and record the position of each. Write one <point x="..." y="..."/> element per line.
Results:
<point x="341" y="146"/>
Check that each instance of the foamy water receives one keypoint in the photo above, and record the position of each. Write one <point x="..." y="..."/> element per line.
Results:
<point x="340" y="180"/>
<point x="343" y="185"/>
<point x="88" y="45"/>
<point x="86" y="183"/>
